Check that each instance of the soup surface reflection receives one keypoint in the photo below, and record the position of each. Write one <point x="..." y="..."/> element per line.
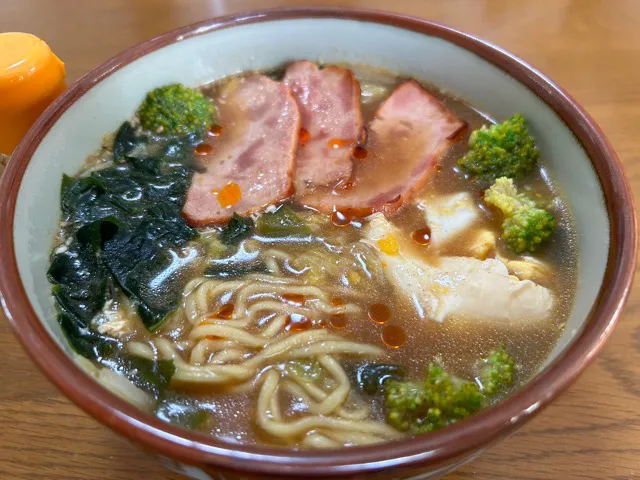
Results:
<point x="313" y="268"/>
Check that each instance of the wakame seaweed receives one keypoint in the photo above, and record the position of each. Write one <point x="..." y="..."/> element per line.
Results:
<point x="371" y="376"/>
<point x="283" y="222"/>
<point x="122" y="223"/>
<point x="181" y="410"/>
<point x="85" y="341"/>
<point x="81" y="287"/>
<point x="125" y="142"/>
<point x="237" y="229"/>
<point x="139" y="256"/>
<point x="80" y="281"/>
<point x="239" y="264"/>
<point x="222" y="270"/>
<point x="149" y="375"/>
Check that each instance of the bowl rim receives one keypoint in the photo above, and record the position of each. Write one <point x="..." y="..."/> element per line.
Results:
<point x="433" y="449"/>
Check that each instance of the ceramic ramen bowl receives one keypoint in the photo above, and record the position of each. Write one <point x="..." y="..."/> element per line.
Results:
<point x="576" y="152"/>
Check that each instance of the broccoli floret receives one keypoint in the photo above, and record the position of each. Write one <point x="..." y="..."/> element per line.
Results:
<point x="526" y="229"/>
<point x="504" y="195"/>
<point x="497" y="372"/>
<point x="175" y="110"/>
<point x="503" y="150"/>
<point x="439" y="401"/>
<point x="525" y="226"/>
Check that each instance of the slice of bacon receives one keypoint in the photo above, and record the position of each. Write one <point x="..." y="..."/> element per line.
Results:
<point x="410" y="130"/>
<point x="251" y="162"/>
<point x="329" y="103"/>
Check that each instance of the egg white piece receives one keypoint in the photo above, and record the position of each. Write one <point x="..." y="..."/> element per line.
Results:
<point x="459" y="286"/>
<point x="449" y="215"/>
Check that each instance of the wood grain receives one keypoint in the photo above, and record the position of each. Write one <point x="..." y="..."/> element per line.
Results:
<point x="590" y="47"/>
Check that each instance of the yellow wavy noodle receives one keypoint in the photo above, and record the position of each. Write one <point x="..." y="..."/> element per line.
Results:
<point x="253" y="346"/>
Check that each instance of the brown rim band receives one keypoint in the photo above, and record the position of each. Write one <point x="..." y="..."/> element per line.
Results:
<point x="436" y="448"/>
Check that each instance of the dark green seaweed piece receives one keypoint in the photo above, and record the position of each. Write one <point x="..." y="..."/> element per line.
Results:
<point x="124" y="142"/>
<point x="237" y="229"/>
<point x="183" y="413"/>
<point x="85" y="341"/>
<point x="81" y="284"/>
<point x="80" y="281"/>
<point x="236" y="265"/>
<point x="77" y="191"/>
<point x="282" y="223"/>
<point x="126" y="224"/>
<point x="221" y="269"/>
<point x="143" y="265"/>
<point x="128" y="190"/>
<point x="90" y="199"/>
<point x="149" y="375"/>
<point x="305" y="370"/>
<point x="276" y="74"/>
<point x="152" y="376"/>
<point x="371" y="376"/>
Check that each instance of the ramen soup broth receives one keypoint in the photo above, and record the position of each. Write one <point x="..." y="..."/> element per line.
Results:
<point x="237" y="304"/>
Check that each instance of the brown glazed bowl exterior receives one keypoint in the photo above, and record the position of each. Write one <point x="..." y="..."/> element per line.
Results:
<point x="424" y="456"/>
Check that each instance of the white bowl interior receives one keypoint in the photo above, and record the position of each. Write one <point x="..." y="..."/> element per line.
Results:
<point x="216" y="54"/>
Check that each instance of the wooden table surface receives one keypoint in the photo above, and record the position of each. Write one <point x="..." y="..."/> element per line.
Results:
<point x="590" y="47"/>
